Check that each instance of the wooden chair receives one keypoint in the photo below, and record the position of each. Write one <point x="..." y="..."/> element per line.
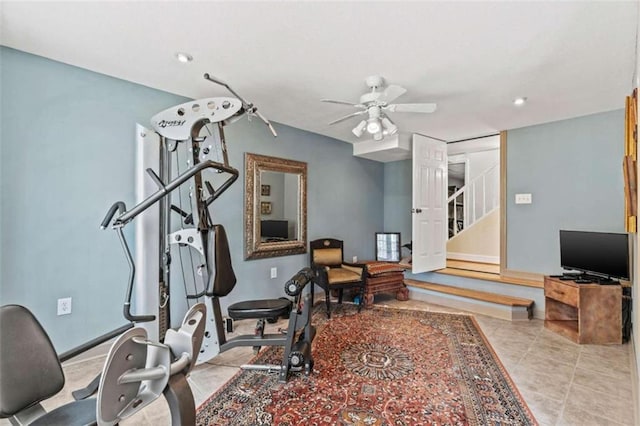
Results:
<point x="331" y="272"/>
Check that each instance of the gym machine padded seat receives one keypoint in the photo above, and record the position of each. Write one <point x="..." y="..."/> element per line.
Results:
<point x="256" y="309"/>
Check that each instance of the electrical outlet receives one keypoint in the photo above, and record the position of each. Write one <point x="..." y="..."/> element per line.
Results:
<point x="274" y="272"/>
<point x="64" y="306"/>
<point x="355" y="259"/>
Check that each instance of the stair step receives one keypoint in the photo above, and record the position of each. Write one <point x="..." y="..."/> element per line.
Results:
<point x="491" y="277"/>
<point x="468" y="265"/>
<point x="498" y="305"/>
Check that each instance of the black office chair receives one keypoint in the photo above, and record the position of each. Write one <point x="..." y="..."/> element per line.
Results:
<point x="333" y="273"/>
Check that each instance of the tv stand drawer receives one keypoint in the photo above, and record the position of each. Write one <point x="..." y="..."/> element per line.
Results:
<point x="562" y="292"/>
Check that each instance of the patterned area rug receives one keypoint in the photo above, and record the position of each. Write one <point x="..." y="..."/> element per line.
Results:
<point x="378" y="367"/>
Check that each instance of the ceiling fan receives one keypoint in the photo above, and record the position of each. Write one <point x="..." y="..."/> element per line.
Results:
<point x="375" y="104"/>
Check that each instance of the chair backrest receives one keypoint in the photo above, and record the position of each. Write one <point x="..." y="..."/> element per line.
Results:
<point x="221" y="280"/>
<point x="30" y="370"/>
<point x="326" y="252"/>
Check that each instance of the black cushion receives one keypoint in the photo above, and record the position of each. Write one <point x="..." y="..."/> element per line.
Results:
<point x="29" y="367"/>
<point x="222" y="279"/>
<point x="268" y="308"/>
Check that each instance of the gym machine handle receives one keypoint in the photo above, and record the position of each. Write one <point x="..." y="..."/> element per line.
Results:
<point x="126" y="217"/>
<point x="118" y="206"/>
<point x="294" y="286"/>
<point x="132" y="273"/>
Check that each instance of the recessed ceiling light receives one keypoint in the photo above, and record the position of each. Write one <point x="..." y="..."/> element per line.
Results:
<point x="519" y="101"/>
<point x="184" y="57"/>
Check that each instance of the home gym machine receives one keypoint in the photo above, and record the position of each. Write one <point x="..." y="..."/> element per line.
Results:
<point x="192" y="134"/>
<point x="139" y="367"/>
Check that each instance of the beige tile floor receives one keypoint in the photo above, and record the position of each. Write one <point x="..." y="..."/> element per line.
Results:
<point x="562" y="382"/>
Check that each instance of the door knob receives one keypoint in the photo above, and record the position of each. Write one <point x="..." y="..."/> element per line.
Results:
<point x="416" y="210"/>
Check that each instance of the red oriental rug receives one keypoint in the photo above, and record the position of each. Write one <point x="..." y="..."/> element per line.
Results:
<point x="378" y="367"/>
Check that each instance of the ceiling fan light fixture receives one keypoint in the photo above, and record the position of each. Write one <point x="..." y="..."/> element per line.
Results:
<point x="359" y="129"/>
<point x="374" y="126"/>
<point x="389" y="127"/>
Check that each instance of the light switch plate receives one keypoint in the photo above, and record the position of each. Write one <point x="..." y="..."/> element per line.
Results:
<point x="523" y="198"/>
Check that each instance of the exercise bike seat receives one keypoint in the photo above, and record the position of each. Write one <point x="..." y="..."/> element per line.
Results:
<point x="256" y="309"/>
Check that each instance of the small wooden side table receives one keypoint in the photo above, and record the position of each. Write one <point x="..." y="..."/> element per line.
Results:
<point x="384" y="277"/>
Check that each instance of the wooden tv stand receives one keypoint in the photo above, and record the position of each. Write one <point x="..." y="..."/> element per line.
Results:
<point x="583" y="313"/>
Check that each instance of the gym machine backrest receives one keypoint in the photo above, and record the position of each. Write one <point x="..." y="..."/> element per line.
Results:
<point x="30" y="372"/>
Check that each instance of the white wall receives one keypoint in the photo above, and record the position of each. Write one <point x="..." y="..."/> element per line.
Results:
<point x="479" y="243"/>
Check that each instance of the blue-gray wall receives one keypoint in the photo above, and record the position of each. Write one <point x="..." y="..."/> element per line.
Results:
<point x="573" y="169"/>
<point x="67" y="153"/>
<point x="397" y="199"/>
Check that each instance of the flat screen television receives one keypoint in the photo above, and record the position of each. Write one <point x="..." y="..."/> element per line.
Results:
<point x="388" y="246"/>
<point x="274" y="229"/>
<point x="601" y="254"/>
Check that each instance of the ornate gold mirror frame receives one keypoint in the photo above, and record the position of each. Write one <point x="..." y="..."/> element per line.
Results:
<point x="262" y="204"/>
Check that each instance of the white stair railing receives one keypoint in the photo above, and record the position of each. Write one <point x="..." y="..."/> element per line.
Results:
<point x="479" y="197"/>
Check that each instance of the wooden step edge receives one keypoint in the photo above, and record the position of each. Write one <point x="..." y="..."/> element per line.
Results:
<point x="491" y="277"/>
<point x="472" y="294"/>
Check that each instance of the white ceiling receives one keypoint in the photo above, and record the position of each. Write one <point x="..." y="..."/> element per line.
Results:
<point x="471" y="58"/>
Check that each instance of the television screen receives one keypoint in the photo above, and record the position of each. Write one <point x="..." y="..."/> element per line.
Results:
<point x="600" y="253"/>
<point x="274" y="229"/>
<point x="388" y="246"/>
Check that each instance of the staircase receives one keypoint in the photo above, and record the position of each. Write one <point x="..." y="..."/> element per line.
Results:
<point x="484" y="292"/>
<point x="474" y="200"/>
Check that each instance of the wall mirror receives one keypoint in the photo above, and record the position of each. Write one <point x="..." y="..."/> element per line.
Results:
<point x="275" y="194"/>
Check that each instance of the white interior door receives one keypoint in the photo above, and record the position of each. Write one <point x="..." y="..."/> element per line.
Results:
<point x="429" y="213"/>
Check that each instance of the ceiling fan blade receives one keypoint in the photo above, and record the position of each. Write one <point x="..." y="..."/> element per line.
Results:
<point x="392" y="92"/>
<point x="332" y="101"/>
<point x="426" y="108"/>
<point x="346" y="117"/>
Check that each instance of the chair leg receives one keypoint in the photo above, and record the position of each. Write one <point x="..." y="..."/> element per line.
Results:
<point x="327" y="300"/>
<point x="340" y="293"/>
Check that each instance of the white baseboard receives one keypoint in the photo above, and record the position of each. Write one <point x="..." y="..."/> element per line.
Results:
<point x="474" y="257"/>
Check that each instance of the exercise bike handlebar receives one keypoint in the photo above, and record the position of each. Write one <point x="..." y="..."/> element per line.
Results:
<point x="296" y="284"/>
